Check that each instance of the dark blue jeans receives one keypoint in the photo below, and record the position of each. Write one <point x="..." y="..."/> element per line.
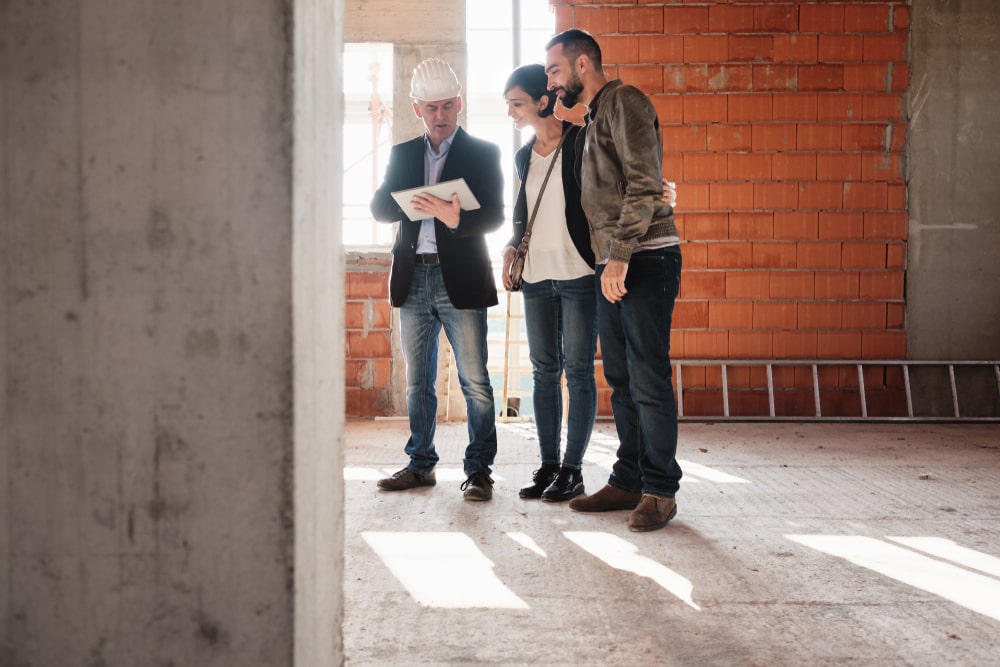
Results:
<point x="426" y="311"/>
<point x="561" y="323"/>
<point x="635" y="348"/>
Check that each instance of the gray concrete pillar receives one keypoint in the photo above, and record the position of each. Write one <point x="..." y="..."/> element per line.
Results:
<point x="170" y="328"/>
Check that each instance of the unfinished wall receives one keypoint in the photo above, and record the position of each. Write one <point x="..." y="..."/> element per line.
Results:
<point x="953" y="276"/>
<point x="147" y="387"/>
<point x="783" y="126"/>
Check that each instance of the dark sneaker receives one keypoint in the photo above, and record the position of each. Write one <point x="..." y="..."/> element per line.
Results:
<point x="567" y="484"/>
<point x="407" y="479"/>
<point x="479" y="486"/>
<point x="540" y="480"/>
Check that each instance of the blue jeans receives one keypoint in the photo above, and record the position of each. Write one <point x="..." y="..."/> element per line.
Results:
<point x="427" y="309"/>
<point x="635" y="348"/>
<point x="562" y="336"/>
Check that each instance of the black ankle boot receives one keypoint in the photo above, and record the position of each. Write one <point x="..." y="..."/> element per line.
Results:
<point x="567" y="484"/>
<point x="540" y="480"/>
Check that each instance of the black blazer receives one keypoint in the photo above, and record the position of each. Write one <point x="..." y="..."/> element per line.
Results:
<point x="465" y="259"/>
<point x="576" y="220"/>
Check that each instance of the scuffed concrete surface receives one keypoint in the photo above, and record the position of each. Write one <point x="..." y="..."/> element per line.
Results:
<point x="756" y="595"/>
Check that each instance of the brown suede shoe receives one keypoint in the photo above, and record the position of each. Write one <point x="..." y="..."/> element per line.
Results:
<point x="608" y="499"/>
<point x="653" y="512"/>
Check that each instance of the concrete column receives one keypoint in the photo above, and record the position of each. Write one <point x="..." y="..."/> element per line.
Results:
<point x="168" y="465"/>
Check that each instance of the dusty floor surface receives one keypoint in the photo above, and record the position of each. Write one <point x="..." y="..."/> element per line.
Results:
<point x="794" y="544"/>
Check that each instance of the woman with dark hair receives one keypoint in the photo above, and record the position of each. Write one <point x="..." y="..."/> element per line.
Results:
<point x="559" y="298"/>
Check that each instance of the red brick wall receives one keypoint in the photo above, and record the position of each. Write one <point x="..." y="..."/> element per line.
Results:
<point x="783" y="126"/>
<point x="368" y="341"/>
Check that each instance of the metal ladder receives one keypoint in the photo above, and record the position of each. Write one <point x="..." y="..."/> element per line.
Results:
<point x="725" y="364"/>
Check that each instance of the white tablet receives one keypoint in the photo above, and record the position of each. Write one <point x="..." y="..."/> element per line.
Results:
<point x="442" y="190"/>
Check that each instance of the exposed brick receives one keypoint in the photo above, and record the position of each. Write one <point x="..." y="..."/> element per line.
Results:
<point x="840" y="48"/>
<point x="660" y="49"/>
<point x="731" y="196"/>
<point x="796" y="225"/>
<point x="684" y="138"/>
<point x="706" y="49"/>
<point x="886" y="225"/>
<point x="774" y="255"/>
<point x="775" y="315"/>
<point x="866" y="18"/>
<point x="776" y="18"/>
<point x="365" y="285"/>
<point x="821" y="195"/>
<point x="776" y="196"/>
<point x="818" y="137"/>
<point x="865" y="196"/>
<point x="691" y="315"/>
<point x="750" y="226"/>
<point x="747" y="285"/>
<point x="896" y="196"/>
<point x="374" y="345"/>
<point x="866" y="76"/>
<point x="750" y="345"/>
<point x="619" y="50"/>
<point x="882" y="344"/>
<point x="636" y="20"/>
<point x="864" y="315"/>
<point x="837" y="284"/>
<point x="885" y="48"/>
<point x="899" y="77"/>
<point x="706" y="226"/>
<point x="564" y="18"/>
<point x="751" y="48"/>
<point x="793" y="167"/>
<point x="754" y="107"/>
<point x="900" y="18"/>
<point x="673" y="166"/>
<point x="839" y="106"/>
<point x="819" y="255"/>
<point x="821" y="18"/>
<point x="887" y="106"/>
<point x="704" y="108"/>
<point x="794" y="345"/>
<point x="820" y="314"/>
<point x="728" y="18"/>
<point x="669" y="108"/>
<point x="727" y="255"/>
<point x="794" y="106"/>
<point x="773" y="137"/>
<point x="748" y="166"/>
<point x="597" y="20"/>
<point x="647" y="78"/>
<point x="820" y="77"/>
<point x="796" y="48"/>
<point x="695" y="20"/>
<point x="895" y="317"/>
<point x="706" y="345"/>
<point x="863" y="255"/>
<point x="838" y="166"/>
<point x="881" y="285"/>
<point x="703" y="285"/>
<point x="728" y="137"/>
<point x="704" y="166"/>
<point x="792" y="285"/>
<point x="696" y="196"/>
<point x="775" y="77"/>
<point x="838" y="345"/>
<point x="695" y="253"/>
<point x="863" y="136"/>
<point x="895" y="256"/>
<point x="841" y="226"/>
<point x="730" y="314"/>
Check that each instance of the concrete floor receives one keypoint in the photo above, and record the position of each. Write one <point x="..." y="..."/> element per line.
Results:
<point x="794" y="544"/>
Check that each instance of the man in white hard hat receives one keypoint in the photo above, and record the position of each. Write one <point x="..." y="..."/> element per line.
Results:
<point x="442" y="276"/>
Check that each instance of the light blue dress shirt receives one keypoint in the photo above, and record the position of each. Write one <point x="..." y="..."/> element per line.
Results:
<point x="433" y="165"/>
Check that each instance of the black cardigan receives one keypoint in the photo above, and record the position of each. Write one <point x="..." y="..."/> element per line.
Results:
<point x="576" y="221"/>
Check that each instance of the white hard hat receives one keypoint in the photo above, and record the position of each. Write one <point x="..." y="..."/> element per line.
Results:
<point x="434" y="79"/>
